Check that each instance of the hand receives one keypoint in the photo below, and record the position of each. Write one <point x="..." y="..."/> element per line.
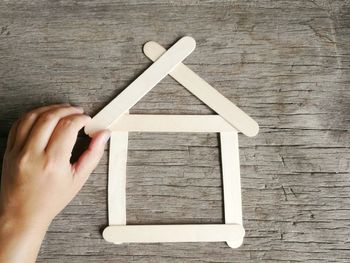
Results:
<point x="38" y="180"/>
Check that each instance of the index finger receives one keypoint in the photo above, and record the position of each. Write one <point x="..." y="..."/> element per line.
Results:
<point x="65" y="135"/>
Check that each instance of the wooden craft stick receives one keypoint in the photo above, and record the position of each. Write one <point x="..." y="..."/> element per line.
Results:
<point x="143" y="84"/>
<point x="231" y="182"/>
<point x="171" y="123"/>
<point x="205" y="92"/>
<point x="118" y="151"/>
<point x="172" y="233"/>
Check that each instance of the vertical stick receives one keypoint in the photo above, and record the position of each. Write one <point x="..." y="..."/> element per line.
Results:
<point x="118" y="152"/>
<point x="231" y="181"/>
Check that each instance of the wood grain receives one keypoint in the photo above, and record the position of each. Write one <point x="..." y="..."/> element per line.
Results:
<point x="285" y="63"/>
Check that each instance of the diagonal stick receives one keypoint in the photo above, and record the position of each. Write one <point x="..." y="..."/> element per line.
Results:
<point x="142" y="85"/>
<point x="205" y="92"/>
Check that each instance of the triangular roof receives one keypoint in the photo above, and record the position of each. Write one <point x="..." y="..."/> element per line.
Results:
<point x="170" y="62"/>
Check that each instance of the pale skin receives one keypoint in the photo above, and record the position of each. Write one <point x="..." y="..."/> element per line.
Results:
<point x="38" y="180"/>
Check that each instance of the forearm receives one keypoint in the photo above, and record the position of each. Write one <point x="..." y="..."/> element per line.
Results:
<point x="19" y="242"/>
<point x="38" y="180"/>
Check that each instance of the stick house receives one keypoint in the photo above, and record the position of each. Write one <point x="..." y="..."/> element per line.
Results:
<point x="228" y="122"/>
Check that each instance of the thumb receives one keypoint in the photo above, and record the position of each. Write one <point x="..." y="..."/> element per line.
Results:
<point x="90" y="158"/>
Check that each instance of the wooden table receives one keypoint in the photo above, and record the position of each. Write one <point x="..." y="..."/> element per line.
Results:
<point x="286" y="63"/>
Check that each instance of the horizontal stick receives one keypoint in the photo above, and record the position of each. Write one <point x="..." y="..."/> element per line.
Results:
<point x="142" y="85"/>
<point x="206" y="93"/>
<point x="171" y="123"/>
<point x="173" y="233"/>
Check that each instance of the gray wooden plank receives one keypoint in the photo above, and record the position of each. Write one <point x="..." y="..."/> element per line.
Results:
<point x="286" y="63"/>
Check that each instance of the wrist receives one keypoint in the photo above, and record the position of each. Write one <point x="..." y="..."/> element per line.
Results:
<point x="12" y="224"/>
<point x="20" y="239"/>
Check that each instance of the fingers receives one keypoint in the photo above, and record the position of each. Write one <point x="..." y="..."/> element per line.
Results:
<point x="26" y="123"/>
<point x="90" y="158"/>
<point x="12" y="136"/>
<point x="64" y="136"/>
<point x="45" y="126"/>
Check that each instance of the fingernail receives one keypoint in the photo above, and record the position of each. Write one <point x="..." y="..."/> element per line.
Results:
<point x="106" y="137"/>
<point x="87" y="119"/>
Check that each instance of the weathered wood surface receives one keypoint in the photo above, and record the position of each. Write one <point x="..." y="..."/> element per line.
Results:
<point x="286" y="63"/>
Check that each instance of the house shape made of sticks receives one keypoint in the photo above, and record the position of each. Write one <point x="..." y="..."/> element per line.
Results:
<point x="228" y="122"/>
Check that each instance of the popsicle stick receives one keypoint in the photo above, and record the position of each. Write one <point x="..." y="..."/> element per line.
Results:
<point x="172" y="233"/>
<point x="143" y="84"/>
<point x="231" y="182"/>
<point x="205" y="92"/>
<point x="171" y="123"/>
<point x="118" y="151"/>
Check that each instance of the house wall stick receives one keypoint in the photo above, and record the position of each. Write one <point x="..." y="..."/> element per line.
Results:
<point x="173" y="233"/>
<point x="231" y="181"/>
<point x="117" y="178"/>
<point x="140" y="86"/>
<point x="172" y="123"/>
<point x="205" y="92"/>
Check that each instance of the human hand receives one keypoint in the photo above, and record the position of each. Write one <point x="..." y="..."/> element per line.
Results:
<point x="38" y="180"/>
